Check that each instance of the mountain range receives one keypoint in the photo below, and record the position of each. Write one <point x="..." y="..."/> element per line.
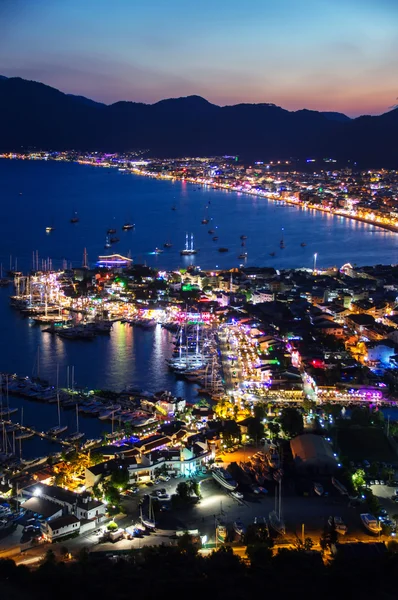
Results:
<point x="34" y="115"/>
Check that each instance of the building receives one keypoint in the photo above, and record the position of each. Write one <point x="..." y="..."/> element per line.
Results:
<point x="61" y="527"/>
<point x="312" y="454"/>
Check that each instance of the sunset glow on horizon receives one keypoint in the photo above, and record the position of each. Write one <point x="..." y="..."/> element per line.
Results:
<point x="334" y="55"/>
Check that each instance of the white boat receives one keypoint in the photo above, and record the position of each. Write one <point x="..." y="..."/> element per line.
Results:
<point x="237" y="495"/>
<point x="189" y="249"/>
<point x="221" y="531"/>
<point x="371" y="523"/>
<point x="339" y="486"/>
<point x="224" y="478"/>
<point x="277" y="523"/>
<point x="273" y="457"/>
<point x="239" y="527"/>
<point x="78" y="434"/>
<point x="57" y="430"/>
<point x="339" y="524"/>
<point x="148" y="521"/>
<point x="24" y="435"/>
<point x="318" y="488"/>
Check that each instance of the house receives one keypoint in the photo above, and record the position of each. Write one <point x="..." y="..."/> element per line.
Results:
<point x="54" y="494"/>
<point x="89" y="509"/>
<point x="45" y="509"/>
<point x="313" y="454"/>
<point x="60" y="527"/>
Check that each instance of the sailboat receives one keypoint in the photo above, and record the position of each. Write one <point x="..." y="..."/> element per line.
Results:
<point x="78" y="434"/>
<point x="75" y="218"/>
<point x="58" y="429"/>
<point x="282" y="243"/>
<point x="25" y="434"/>
<point x="127" y="226"/>
<point x="150" y="520"/>
<point x="3" y="280"/>
<point x="275" y="517"/>
<point x="107" y="242"/>
<point x="189" y="249"/>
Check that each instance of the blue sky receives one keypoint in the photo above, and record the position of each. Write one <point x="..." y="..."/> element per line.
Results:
<point x="325" y="54"/>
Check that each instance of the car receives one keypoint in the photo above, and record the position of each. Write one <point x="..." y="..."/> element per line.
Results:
<point x="262" y="489"/>
<point x="157" y="481"/>
<point x="383" y="512"/>
<point x="149" y="483"/>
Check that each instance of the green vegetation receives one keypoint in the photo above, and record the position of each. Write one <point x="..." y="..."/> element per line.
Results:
<point x="291" y="422"/>
<point x="358" y="443"/>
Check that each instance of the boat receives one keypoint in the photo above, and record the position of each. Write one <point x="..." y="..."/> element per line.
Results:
<point x="221" y="530"/>
<point x="107" y="242"/>
<point x="111" y="231"/>
<point x="211" y="231"/>
<point x="275" y="517"/>
<point x="272" y="253"/>
<point x="75" y="218"/>
<point x="215" y="238"/>
<point x="273" y="457"/>
<point x="205" y="221"/>
<point x="128" y="226"/>
<point x="243" y="237"/>
<point x="114" y="240"/>
<point x="222" y="477"/>
<point x="49" y="229"/>
<point x="148" y="521"/>
<point x="371" y="523"/>
<point x="338" y="524"/>
<point x="58" y="429"/>
<point x="174" y="207"/>
<point x="282" y="243"/>
<point x="158" y="251"/>
<point x="167" y="245"/>
<point x="223" y="249"/>
<point x="189" y="248"/>
<point x="339" y="486"/>
<point x="24" y="435"/>
<point x="75" y="437"/>
<point x="318" y="488"/>
<point x="277" y="523"/>
<point x="239" y="527"/>
<point x="303" y="244"/>
<point x="243" y="255"/>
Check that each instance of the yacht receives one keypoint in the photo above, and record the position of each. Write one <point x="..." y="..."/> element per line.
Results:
<point x="239" y="527"/>
<point x="370" y="522"/>
<point x="221" y="531"/>
<point x="57" y="430"/>
<point x="223" y="249"/>
<point x="215" y="238"/>
<point x="273" y="457"/>
<point x="303" y="244"/>
<point x="339" y="486"/>
<point x="158" y="251"/>
<point x="111" y="231"/>
<point x="318" y="488"/>
<point x="49" y="229"/>
<point x="277" y="523"/>
<point x="224" y="478"/>
<point x="168" y="245"/>
<point x="189" y="249"/>
<point x="243" y="237"/>
<point x="128" y="226"/>
<point x="338" y="524"/>
<point x="211" y="231"/>
<point x="114" y="240"/>
<point x="75" y="218"/>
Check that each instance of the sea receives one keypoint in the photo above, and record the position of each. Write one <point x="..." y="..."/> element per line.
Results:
<point x="39" y="194"/>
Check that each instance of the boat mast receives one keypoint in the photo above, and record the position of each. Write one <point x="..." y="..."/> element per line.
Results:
<point x="192" y="241"/>
<point x="59" y="410"/>
<point x="186" y="242"/>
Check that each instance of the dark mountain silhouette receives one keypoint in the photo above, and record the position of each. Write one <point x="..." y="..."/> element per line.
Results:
<point x="35" y="115"/>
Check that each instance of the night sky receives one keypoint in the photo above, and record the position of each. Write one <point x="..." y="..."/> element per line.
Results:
<point x="318" y="54"/>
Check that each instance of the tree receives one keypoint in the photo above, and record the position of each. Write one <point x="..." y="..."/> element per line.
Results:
<point x="194" y="488"/>
<point x="50" y="557"/>
<point x="120" y="477"/>
<point x="112" y="495"/>
<point x="392" y="546"/>
<point x="183" y="491"/>
<point x="112" y="526"/>
<point x="308" y="405"/>
<point x="255" y="429"/>
<point x="260" y="411"/>
<point x="186" y="544"/>
<point x="274" y="428"/>
<point x="329" y="536"/>
<point x="303" y="546"/>
<point x="259" y="555"/>
<point x="360" y="416"/>
<point x="358" y="479"/>
<point x="291" y="422"/>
